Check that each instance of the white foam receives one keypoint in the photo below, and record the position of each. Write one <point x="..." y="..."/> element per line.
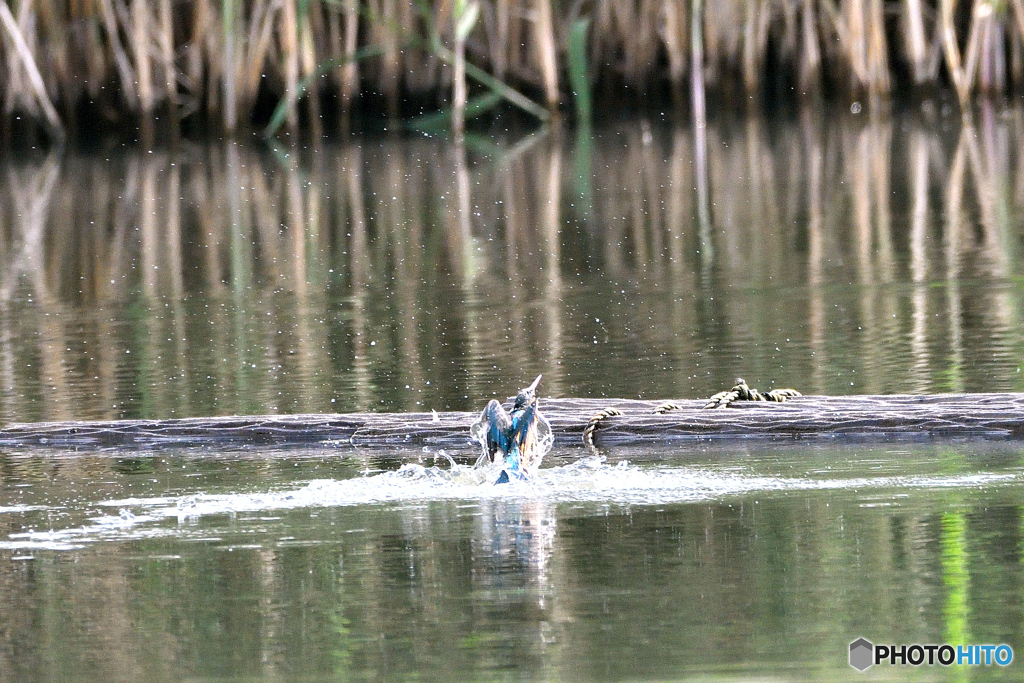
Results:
<point x="587" y="480"/>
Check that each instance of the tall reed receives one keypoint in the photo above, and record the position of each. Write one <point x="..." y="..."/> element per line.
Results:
<point x="217" y="60"/>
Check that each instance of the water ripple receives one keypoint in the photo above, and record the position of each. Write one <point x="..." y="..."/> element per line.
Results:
<point x="585" y="481"/>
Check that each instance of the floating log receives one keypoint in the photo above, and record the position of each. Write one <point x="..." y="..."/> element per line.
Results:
<point x="945" y="415"/>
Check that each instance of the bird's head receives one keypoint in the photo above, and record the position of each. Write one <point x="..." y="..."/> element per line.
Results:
<point x="528" y="396"/>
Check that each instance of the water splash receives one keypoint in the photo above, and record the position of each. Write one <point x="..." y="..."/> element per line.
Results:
<point x="587" y="480"/>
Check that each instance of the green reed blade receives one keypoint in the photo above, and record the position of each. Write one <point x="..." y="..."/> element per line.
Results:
<point x="578" y="78"/>
<point x="436" y="121"/>
<point x="281" y="111"/>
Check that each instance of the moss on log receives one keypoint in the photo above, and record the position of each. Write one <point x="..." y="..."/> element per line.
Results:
<point x="929" y="415"/>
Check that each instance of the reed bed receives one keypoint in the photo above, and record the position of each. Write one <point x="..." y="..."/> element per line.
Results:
<point x="229" y="63"/>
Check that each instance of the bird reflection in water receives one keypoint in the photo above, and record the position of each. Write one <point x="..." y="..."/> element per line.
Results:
<point x="513" y="545"/>
<point x="518" y="440"/>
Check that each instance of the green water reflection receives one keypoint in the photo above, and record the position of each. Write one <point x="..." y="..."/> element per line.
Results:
<point x="844" y="255"/>
<point x="848" y="255"/>
<point x="803" y="549"/>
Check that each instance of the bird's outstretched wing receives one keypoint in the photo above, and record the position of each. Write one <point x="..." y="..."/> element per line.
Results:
<point x="492" y="431"/>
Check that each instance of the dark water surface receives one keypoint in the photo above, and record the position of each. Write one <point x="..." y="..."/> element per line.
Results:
<point x="740" y="560"/>
<point x="831" y="253"/>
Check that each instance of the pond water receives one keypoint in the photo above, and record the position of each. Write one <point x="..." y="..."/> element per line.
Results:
<point x="724" y="559"/>
<point x="829" y="252"/>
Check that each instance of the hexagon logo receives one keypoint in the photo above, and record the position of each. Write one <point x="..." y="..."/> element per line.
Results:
<point x="862" y="654"/>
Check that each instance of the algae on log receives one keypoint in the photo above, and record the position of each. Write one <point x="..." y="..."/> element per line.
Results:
<point x="935" y="415"/>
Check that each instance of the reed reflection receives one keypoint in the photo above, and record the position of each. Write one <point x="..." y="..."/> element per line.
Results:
<point x="847" y="254"/>
<point x="480" y="584"/>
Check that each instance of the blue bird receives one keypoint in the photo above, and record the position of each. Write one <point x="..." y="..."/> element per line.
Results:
<point x="523" y="437"/>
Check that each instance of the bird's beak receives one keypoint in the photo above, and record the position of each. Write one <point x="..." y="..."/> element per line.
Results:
<point x="533" y="387"/>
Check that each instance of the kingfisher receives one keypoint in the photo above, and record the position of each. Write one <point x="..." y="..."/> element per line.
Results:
<point x="522" y="437"/>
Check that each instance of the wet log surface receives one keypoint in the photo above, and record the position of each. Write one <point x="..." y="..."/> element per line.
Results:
<point x="949" y="415"/>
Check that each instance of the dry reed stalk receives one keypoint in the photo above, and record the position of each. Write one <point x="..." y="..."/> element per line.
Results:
<point x="307" y="62"/>
<point x="635" y="33"/>
<point x="420" y="66"/>
<point x="992" y="64"/>
<point x="697" y="100"/>
<point x="232" y="51"/>
<point x="860" y="29"/>
<point x="855" y="42"/>
<point x="790" y="28"/>
<point x="386" y="35"/>
<point x="32" y="71"/>
<point x="518" y="32"/>
<point x="979" y="18"/>
<point x="547" y="52"/>
<point x="22" y="95"/>
<point x="202" y="73"/>
<point x="334" y="48"/>
<point x="95" y="57"/>
<point x="1018" y="14"/>
<point x="915" y="41"/>
<point x="166" y="39"/>
<point x="809" y="74"/>
<point x="673" y="34"/>
<point x="603" y="21"/>
<point x="998" y="53"/>
<point x="289" y="33"/>
<point x="258" y="46"/>
<point x="962" y="72"/>
<point x="439" y="23"/>
<point x="752" y="22"/>
<point x="348" y="74"/>
<point x="140" y="21"/>
<point x="193" y="68"/>
<point x="499" y="42"/>
<point x="1016" y="56"/>
<point x="987" y="63"/>
<point x="952" y="51"/>
<point x="879" y="81"/>
<point x="55" y="41"/>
